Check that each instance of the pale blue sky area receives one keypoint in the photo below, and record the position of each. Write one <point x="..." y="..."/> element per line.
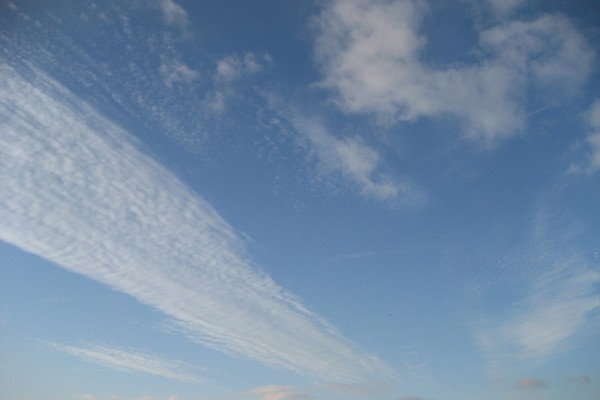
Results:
<point x="388" y="200"/>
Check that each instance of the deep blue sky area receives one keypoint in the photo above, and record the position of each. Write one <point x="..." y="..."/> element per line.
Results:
<point x="346" y="199"/>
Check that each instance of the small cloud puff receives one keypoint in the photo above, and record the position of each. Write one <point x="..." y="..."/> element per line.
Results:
<point x="529" y="384"/>
<point x="175" y="71"/>
<point x="232" y="67"/>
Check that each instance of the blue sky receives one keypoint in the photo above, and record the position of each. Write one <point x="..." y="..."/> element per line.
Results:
<point x="390" y="200"/>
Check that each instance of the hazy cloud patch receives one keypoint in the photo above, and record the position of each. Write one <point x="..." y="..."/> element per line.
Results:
<point x="529" y="384"/>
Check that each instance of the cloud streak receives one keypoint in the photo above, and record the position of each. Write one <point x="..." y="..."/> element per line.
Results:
<point x="129" y="360"/>
<point x="84" y="197"/>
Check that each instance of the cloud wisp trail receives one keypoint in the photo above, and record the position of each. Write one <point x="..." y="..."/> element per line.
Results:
<point x="80" y="193"/>
<point x="128" y="360"/>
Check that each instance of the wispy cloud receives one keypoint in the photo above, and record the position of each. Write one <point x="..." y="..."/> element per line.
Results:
<point x="84" y="197"/>
<point x="354" y="160"/>
<point x="173" y="13"/>
<point x="130" y="360"/>
<point x="592" y="162"/>
<point x="552" y="301"/>
<point x="503" y="8"/>
<point x="369" y="55"/>
<point x="546" y="320"/>
<point x="529" y="384"/>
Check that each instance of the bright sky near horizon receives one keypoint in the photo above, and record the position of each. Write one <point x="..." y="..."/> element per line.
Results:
<point x="276" y="200"/>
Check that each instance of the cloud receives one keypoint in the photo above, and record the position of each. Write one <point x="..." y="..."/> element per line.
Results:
<point x="232" y="67"/>
<point x="173" y="13"/>
<point x="529" y="384"/>
<point x="580" y="379"/>
<point x="561" y="297"/>
<point x="129" y="360"/>
<point x="592" y="163"/>
<point x="369" y="55"/>
<point x="503" y="8"/>
<point x="85" y="198"/>
<point x="176" y="71"/>
<point x="85" y="396"/>
<point x="410" y="398"/>
<point x="228" y="71"/>
<point x="274" y="392"/>
<point x="355" y="161"/>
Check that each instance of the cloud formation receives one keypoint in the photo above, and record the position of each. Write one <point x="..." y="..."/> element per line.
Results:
<point x="84" y="197"/>
<point x="274" y="392"/>
<point x="173" y="13"/>
<point x="129" y="360"/>
<point x="175" y="71"/>
<point x="232" y="67"/>
<point x="369" y="53"/>
<point x="355" y="161"/>
<point x="593" y="138"/>
<point x="529" y="384"/>
<point x="555" y="310"/>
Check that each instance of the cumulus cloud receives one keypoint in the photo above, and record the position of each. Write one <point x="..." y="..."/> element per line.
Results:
<point x="173" y="13"/>
<point x="84" y="197"/>
<point x="274" y="392"/>
<point x="355" y="161"/>
<point x="369" y="54"/>
<point x="130" y="360"/>
<point x="529" y="384"/>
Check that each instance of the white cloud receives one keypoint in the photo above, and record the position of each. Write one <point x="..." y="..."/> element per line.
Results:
<point x="129" y="360"/>
<point x="232" y="67"/>
<point x="594" y="138"/>
<point x="503" y="8"/>
<point x="369" y="54"/>
<point x="355" y="161"/>
<point x="274" y="392"/>
<point x="173" y="13"/>
<point x="84" y="197"/>
<point x="545" y="322"/>
<point x="590" y="162"/>
<point x="175" y="71"/>
<point x="229" y="70"/>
